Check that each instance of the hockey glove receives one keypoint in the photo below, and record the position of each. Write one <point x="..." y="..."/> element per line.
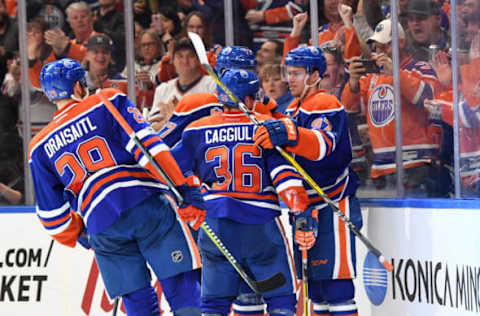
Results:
<point x="83" y="239"/>
<point x="193" y="208"/>
<point x="306" y="228"/>
<point x="276" y="133"/>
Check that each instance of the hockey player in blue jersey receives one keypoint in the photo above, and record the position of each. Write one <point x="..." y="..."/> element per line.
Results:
<point x="198" y="105"/>
<point x="322" y="148"/>
<point x="94" y="186"/>
<point x="241" y="183"/>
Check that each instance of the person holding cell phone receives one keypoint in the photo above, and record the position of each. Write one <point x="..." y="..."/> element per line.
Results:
<point x="420" y="143"/>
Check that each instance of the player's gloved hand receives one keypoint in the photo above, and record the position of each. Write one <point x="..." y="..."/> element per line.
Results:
<point x="306" y="228"/>
<point x="276" y="133"/>
<point x="83" y="239"/>
<point x="193" y="208"/>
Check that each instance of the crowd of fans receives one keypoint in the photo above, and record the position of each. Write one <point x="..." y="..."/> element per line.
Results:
<point x="354" y="35"/>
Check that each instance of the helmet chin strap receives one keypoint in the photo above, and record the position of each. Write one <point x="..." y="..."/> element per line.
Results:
<point x="79" y="99"/>
<point x="307" y="86"/>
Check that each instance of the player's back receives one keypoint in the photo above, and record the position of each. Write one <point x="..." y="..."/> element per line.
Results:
<point x="84" y="157"/>
<point x="239" y="178"/>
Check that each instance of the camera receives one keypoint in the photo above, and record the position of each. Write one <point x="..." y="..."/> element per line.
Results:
<point x="370" y="65"/>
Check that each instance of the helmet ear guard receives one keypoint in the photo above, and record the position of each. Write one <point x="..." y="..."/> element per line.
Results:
<point x="242" y="83"/>
<point x="58" y="78"/>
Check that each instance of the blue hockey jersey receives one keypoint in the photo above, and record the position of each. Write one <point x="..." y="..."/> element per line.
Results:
<point x="87" y="171"/>
<point x="240" y="180"/>
<point x="324" y="149"/>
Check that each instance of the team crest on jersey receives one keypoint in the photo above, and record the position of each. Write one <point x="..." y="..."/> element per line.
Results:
<point x="381" y="105"/>
<point x="322" y="123"/>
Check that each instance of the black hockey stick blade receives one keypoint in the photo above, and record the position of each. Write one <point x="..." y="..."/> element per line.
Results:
<point x="270" y="284"/>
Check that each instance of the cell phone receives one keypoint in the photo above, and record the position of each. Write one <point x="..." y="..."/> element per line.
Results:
<point x="370" y="65"/>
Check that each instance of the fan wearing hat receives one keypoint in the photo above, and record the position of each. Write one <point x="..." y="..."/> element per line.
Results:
<point x="417" y="80"/>
<point x="100" y="66"/>
<point x="190" y="80"/>
<point x="424" y="29"/>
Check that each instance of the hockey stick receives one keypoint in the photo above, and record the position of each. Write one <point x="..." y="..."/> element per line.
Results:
<point x="273" y="282"/>
<point x="115" y="306"/>
<point x="202" y="56"/>
<point x="301" y="223"/>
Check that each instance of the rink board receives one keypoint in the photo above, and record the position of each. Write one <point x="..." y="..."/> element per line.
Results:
<point x="434" y="246"/>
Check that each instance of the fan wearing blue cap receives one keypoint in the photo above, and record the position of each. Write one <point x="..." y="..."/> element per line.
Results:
<point x="317" y="133"/>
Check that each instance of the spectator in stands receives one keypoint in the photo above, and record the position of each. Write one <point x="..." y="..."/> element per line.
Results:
<point x="142" y="13"/>
<point x="195" y="22"/>
<point x="8" y="38"/>
<point x="270" y="51"/>
<point x="51" y="11"/>
<point x="167" y="24"/>
<point x="11" y="83"/>
<point x="241" y="30"/>
<point x="328" y="31"/>
<point x="109" y="21"/>
<point x="424" y="29"/>
<point x="11" y="157"/>
<point x="274" y="87"/>
<point x="98" y="62"/>
<point x="271" y="20"/>
<point x="420" y="145"/>
<point x="146" y="67"/>
<point x="80" y="20"/>
<point x="138" y="30"/>
<point x="470" y="8"/>
<point x="38" y="51"/>
<point x="190" y="80"/>
<point x="333" y="79"/>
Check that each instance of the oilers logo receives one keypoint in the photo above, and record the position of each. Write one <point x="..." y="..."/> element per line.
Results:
<point x="322" y="123"/>
<point x="381" y="106"/>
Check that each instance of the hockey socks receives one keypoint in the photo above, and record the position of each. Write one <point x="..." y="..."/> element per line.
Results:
<point x="183" y="290"/>
<point x="250" y="304"/>
<point x="143" y="302"/>
<point x="281" y="305"/>
<point x="347" y="308"/>
<point x="320" y="309"/>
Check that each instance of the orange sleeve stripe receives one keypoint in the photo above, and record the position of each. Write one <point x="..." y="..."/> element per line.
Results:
<point x="137" y="153"/>
<point x="328" y="141"/>
<point x="70" y="235"/>
<point x="285" y="175"/>
<point x="94" y="189"/>
<point x="151" y="141"/>
<point x="277" y="15"/>
<point x="55" y="222"/>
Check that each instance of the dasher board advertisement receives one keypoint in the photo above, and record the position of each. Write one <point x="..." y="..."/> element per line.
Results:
<point x="434" y="247"/>
<point x="38" y="277"/>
